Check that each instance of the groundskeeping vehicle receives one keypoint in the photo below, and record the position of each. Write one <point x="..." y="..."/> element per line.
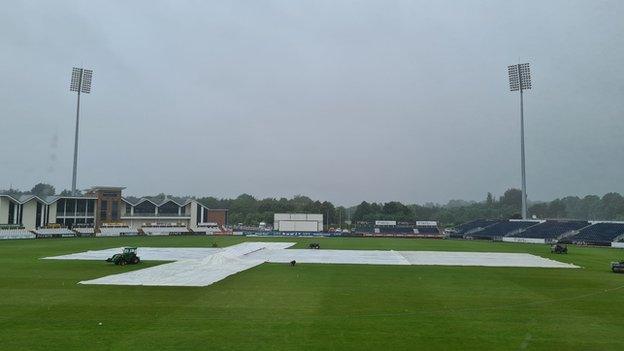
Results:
<point x="617" y="267"/>
<point x="128" y="256"/>
<point x="559" y="249"/>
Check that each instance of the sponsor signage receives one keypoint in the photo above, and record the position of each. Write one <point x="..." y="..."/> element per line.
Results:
<point x="427" y="223"/>
<point x="385" y="222"/>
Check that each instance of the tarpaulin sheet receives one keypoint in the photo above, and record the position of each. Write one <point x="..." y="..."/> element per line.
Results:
<point x="204" y="266"/>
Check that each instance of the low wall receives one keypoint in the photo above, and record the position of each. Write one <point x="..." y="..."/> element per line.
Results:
<point x="524" y="240"/>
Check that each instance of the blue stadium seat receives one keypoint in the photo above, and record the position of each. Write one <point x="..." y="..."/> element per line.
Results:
<point x="473" y="226"/>
<point x="502" y="228"/>
<point x="598" y="234"/>
<point x="551" y="229"/>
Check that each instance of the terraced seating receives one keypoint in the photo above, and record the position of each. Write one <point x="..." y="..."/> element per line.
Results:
<point x="54" y="232"/>
<point x="208" y="230"/>
<point x="155" y="231"/>
<point x="365" y="229"/>
<point x="84" y="230"/>
<point x="473" y="226"/>
<point x="16" y="234"/>
<point x="598" y="234"/>
<point x="421" y="229"/>
<point x="502" y="228"/>
<point x="396" y="229"/>
<point x="116" y="231"/>
<point x="551" y="229"/>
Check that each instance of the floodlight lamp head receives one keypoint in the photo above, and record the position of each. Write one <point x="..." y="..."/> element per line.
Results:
<point x="81" y="80"/>
<point x="519" y="77"/>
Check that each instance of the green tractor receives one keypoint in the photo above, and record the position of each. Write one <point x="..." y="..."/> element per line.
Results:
<point x="128" y="256"/>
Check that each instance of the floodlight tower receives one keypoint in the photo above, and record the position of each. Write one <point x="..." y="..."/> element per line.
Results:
<point x="519" y="80"/>
<point x="80" y="83"/>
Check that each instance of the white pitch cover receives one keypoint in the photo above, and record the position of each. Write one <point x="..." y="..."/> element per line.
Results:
<point x="205" y="266"/>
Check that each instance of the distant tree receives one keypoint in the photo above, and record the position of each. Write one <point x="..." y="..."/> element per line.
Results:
<point x="362" y="211"/>
<point x="457" y="203"/>
<point x="43" y="189"/>
<point x="512" y="197"/>
<point x="612" y="206"/>
<point x="489" y="199"/>
<point x="67" y="192"/>
<point x="591" y="207"/>
<point x="540" y="210"/>
<point x="556" y="209"/>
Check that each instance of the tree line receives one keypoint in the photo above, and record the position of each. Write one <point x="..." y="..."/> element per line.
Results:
<point x="248" y="210"/>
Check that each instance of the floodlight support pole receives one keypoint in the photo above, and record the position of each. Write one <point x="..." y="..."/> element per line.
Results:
<point x="73" y="190"/>
<point x="522" y="161"/>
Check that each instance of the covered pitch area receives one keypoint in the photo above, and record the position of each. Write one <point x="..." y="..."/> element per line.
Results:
<point x="202" y="267"/>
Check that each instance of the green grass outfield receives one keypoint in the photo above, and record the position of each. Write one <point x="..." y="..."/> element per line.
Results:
<point x="312" y="307"/>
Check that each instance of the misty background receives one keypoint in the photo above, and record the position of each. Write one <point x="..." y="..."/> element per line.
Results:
<point x="337" y="100"/>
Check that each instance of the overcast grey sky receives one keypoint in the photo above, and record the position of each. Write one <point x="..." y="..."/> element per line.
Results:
<point x="338" y="100"/>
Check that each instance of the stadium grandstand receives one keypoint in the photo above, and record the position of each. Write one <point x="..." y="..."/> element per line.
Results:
<point x="15" y="232"/>
<point x="116" y="229"/>
<point x="544" y="231"/>
<point x="502" y="228"/>
<point x="84" y="229"/>
<point x="598" y="233"/>
<point x="87" y="214"/>
<point x="383" y="228"/>
<point x="470" y="227"/>
<point x="54" y="231"/>
<point x="210" y="228"/>
<point x="157" y="229"/>
<point x="550" y="230"/>
<point x="426" y="228"/>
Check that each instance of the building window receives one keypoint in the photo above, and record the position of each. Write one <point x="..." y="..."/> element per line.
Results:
<point x="60" y="207"/>
<point x="103" y="209"/>
<point x="90" y="207"/>
<point x="11" y="212"/>
<point x="114" y="210"/>
<point x="81" y="207"/>
<point x="70" y="207"/>
<point x="168" y="209"/>
<point x="39" y="220"/>
<point x="145" y="208"/>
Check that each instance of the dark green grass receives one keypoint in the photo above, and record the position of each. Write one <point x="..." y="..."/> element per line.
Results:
<point x="312" y="307"/>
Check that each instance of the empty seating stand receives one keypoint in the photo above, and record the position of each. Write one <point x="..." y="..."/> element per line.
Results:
<point x="501" y="229"/>
<point x="208" y="230"/>
<point x="54" y="233"/>
<point x="472" y="227"/>
<point x="551" y="229"/>
<point x="117" y="231"/>
<point x="598" y="234"/>
<point x="16" y="233"/>
<point x="426" y="229"/>
<point x="84" y="231"/>
<point x="364" y="228"/>
<point x="155" y="231"/>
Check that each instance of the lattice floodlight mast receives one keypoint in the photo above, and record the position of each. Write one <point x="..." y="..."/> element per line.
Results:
<point x="80" y="83"/>
<point x="520" y="80"/>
